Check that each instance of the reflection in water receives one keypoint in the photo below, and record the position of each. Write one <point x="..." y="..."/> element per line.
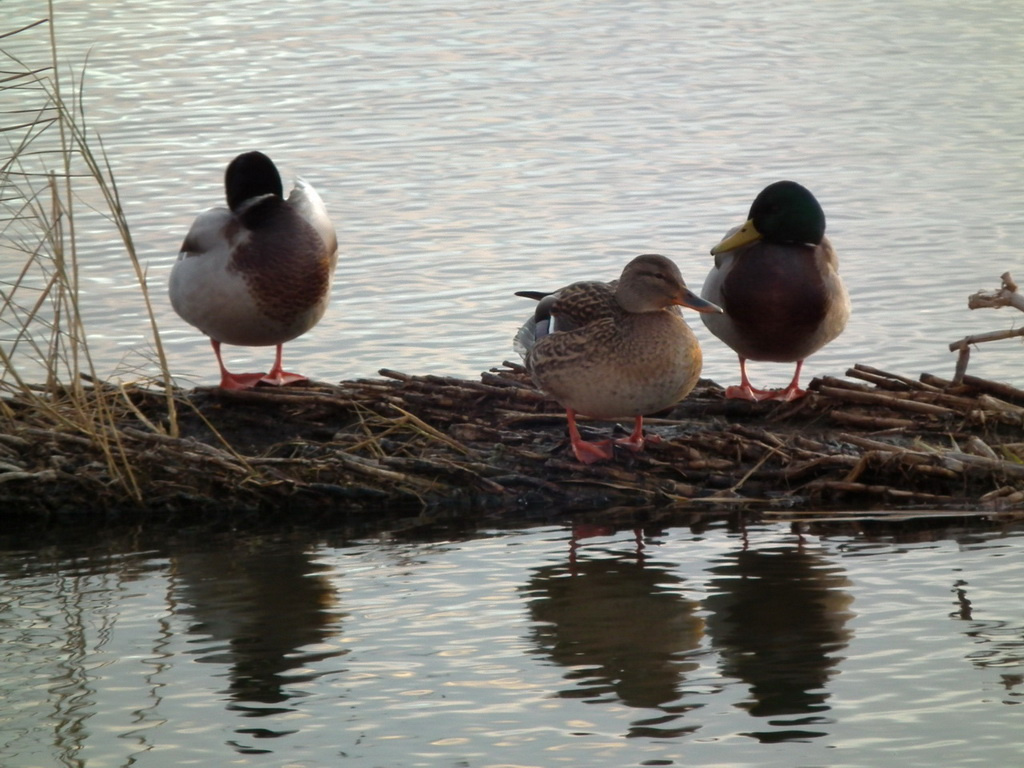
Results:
<point x="621" y="627"/>
<point x="263" y="608"/>
<point x="1000" y="645"/>
<point x="777" y="618"/>
<point x="58" y="618"/>
<point x="129" y="656"/>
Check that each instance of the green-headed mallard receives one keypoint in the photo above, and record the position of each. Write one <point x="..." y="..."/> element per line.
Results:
<point x="615" y="350"/>
<point x="257" y="273"/>
<point x="777" y="280"/>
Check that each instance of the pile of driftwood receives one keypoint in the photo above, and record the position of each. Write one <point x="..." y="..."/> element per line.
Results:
<point x="871" y="443"/>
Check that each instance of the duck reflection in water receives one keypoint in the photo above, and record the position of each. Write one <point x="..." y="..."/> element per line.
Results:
<point x="777" y="618"/>
<point x="256" y="609"/>
<point x="999" y="644"/>
<point x="619" y="623"/>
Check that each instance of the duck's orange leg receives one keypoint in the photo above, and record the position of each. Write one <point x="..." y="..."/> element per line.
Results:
<point x="635" y="441"/>
<point x="586" y="452"/>
<point x="793" y="391"/>
<point x="746" y="392"/>
<point x="230" y="380"/>
<point x="277" y="376"/>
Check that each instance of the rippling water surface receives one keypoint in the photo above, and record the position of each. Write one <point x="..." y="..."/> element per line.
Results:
<point x="528" y="647"/>
<point x="470" y="149"/>
<point x="467" y="150"/>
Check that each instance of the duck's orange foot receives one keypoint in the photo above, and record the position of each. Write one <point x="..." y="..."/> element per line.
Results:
<point x="636" y="443"/>
<point x="282" y="378"/>
<point x="745" y="392"/>
<point x="240" y="380"/>
<point x="636" y="440"/>
<point x="278" y="376"/>
<point x="788" y="395"/>
<point x="758" y="395"/>
<point x="589" y="453"/>
<point x="632" y="443"/>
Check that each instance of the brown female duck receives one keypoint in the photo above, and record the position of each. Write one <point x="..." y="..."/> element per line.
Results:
<point x="615" y="350"/>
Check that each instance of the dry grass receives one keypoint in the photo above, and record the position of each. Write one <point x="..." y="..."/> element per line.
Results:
<point x="54" y="170"/>
<point x="873" y="446"/>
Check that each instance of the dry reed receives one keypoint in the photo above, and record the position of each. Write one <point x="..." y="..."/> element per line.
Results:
<point x="53" y="168"/>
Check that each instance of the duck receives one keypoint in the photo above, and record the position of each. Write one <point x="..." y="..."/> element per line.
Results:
<point x="611" y="350"/>
<point x="777" y="279"/>
<point x="257" y="273"/>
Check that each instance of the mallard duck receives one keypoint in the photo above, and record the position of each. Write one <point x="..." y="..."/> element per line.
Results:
<point x="257" y="273"/>
<point x="614" y="350"/>
<point x="777" y="279"/>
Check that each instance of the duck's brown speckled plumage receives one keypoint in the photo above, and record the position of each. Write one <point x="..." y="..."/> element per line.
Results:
<point x="285" y="282"/>
<point x="614" y="363"/>
<point x="618" y="349"/>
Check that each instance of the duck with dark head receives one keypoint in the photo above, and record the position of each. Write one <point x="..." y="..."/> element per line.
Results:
<point x="777" y="279"/>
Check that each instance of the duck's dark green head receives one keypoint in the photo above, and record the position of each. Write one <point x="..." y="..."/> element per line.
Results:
<point x="251" y="175"/>
<point x="785" y="213"/>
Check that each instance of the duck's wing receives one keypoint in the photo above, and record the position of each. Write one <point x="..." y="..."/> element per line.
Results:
<point x="538" y="325"/>
<point x="583" y="303"/>
<point x="827" y="255"/>
<point x="210" y="232"/>
<point x="308" y="204"/>
<point x="566" y="309"/>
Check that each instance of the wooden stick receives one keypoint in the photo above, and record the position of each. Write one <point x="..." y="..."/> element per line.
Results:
<point x="874" y="375"/>
<point x="43" y="476"/>
<point x="981" y="338"/>
<point x="995" y="388"/>
<point x="867" y="421"/>
<point x="1005" y="296"/>
<point x="875" y="398"/>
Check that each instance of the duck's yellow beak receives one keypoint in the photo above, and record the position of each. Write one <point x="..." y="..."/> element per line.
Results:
<point x="746" y="234"/>
<point x="695" y="302"/>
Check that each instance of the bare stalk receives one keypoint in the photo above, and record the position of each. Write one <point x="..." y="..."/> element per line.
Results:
<point x="1005" y="296"/>
<point x="54" y="165"/>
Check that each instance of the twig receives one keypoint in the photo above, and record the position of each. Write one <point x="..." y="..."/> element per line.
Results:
<point x="1005" y="296"/>
<point x="887" y="380"/>
<point x="876" y="398"/>
<point x="43" y="476"/>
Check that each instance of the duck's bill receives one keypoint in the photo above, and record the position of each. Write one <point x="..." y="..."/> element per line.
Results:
<point x="695" y="302"/>
<point x="744" y="235"/>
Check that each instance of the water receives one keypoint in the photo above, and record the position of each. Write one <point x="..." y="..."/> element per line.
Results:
<point x="518" y="647"/>
<point x="476" y="148"/>
<point x="468" y="150"/>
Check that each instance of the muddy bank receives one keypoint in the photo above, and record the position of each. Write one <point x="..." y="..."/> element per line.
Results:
<point x="871" y="444"/>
